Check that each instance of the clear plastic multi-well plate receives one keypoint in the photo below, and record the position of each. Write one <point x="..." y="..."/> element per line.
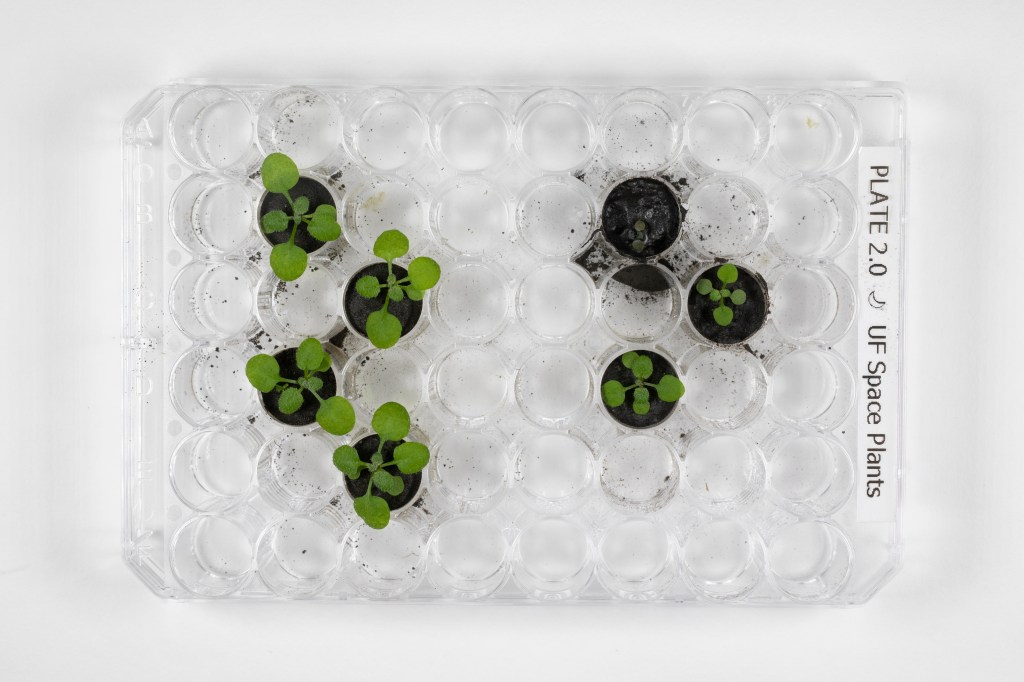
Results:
<point x="776" y="478"/>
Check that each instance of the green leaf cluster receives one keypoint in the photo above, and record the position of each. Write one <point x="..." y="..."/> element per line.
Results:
<point x="727" y="274"/>
<point x="335" y="414"/>
<point x="391" y="423"/>
<point x="383" y="328"/>
<point x="288" y="260"/>
<point x="669" y="388"/>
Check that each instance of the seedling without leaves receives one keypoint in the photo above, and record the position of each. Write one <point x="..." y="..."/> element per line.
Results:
<point x="391" y="423"/>
<point x="288" y="260"/>
<point x="727" y="274"/>
<point x="669" y="388"/>
<point x="335" y="413"/>
<point x="383" y="328"/>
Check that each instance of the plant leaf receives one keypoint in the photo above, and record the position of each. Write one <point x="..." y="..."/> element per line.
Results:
<point x="373" y="510"/>
<point x="324" y="223"/>
<point x="643" y="367"/>
<point x="613" y="393"/>
<point x="739" y="297"/>
<point x="641" y="394"/>
<point x="383" y="328"/>
<point x="723" y="316"/>
<point x="395" y="294"/>
<point x="275" y="221"/>
<point x="301" y="206"/>
<point x="309" y="355"/>
<point x="424" y="273"/>
<point x="391" y="244"/>
<point x="288" y="261"/>
<point x="391" y="421"/>
<point x="336" y="416"/>
<point x="413" y="293"/>
<point x="279" y="173"/>
<point x="325" y="364"/>
<point x="368" y="286"/>
<point x="715" y="295"/>
<point x="388" y="482"/>
<point x="670" y="388"/>
<point x="704" y="287"/>
<point x="728" y="273"/>
<point x="290" y="400"/>
<point x="411" y="457"/>
<point x="641" y="408"/>
<point x="313" y="383"/>
<point x="629" y="358"/>
<point x="346" y="459"/>
<point x="263" y="372"/>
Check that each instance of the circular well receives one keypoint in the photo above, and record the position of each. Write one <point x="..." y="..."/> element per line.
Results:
<point x="553" y="472"/>
<point x="812" y="303"/>
<point x="728" y="131"/>
<point x="727" y="217"/>
<point x="385" y="129"/>
<point x="641" y="303"/>
<point x="635" y="559"/>
<point x="213" y="470"/>
<point x="469" y="471"/>
<point x="725" y="389"/>
<point x="471" y="301"/>
<point x="385" y="563"/>
<point x="302" y="123"/>
<point x="211" y="128"/>
<point x="376" y="376"/>
<point x="639" y="474"/>
<point x="467" y="558"/>
<point x="555" y="302"/>
<point x="555" y="215"/>
<point x="295" y="472"/>
<point x="553" y="386"/>
<point x="470" y="130"/>
<point x="385" y="202"/>
<point x="810" y="561"/>
<point x="723" y="473"/>
<point x="471" y="216"/>
<point x="212" y="215"/>
<point x="469" y="384"/>
<point x="555" y="130"/>
<point x="641" y="130"/>
<point x="553" y="558"/>
<point x="211" y="300"/>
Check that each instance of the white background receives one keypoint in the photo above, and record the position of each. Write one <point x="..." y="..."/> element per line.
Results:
<point x="70" y="610"/>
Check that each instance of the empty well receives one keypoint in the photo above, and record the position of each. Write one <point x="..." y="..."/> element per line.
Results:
<point x="722" y="559"/>
<point x="213" y="214"/>
<point x="727" y="131"/>
<point x="211" y="128"/>
<point x="552" y="558"/>
<point x="214" y="470"/>
<point x="554" y="386"/>
<point x="386" y="563"/>
<point x="468" y="384"/>
<point x="725" y="389"/>
<point x="555" y="301"/>
<point x="811" y="386"/>
<point x="809" y="474"/>
<point x="385" y="129"/>
<point x="810" y="561"/>
<point x="814" y="131"/>
<point x="636" y="559"/>
<point x="297" y="556"/>
<point x="639" y="473"/>
<point x="385" y="202"/>
<point x="374" y="377"/>
<point x="727" y="217"/>
<point x="468" y="558"/>
<point x="555" y="215"/>
<point x="470" y="130"/>
<point x="471" y="216"/>
<point x="212" y="556"/>
<point x="308" y="306"/>
<point x="472" y="301"/>
<point x="469" y="471"/>
<point x="553" y="472"/>
<point x="641" y="130"/>
<point x="555" y="130"/>
<point x="208" y="384"/>
<point x="723" y="473"/>
<point x="302" y="123"/>
<point x="295" y="471"/>
<point x="212" y="300"/>
<point x="811" y="218"/>
<point x="641" y="303"/>
<point x="812" y="303"/>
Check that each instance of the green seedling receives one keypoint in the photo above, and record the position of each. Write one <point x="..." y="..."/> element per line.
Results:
<point x="391" y="423"/>
<point x="639" y="236"/>
<point x="383" y="328"/>
<point x="669" y="388"/>
<point x="288" y="260"/>
<point x="727" y="274"/>
<point x="335" y="413"/>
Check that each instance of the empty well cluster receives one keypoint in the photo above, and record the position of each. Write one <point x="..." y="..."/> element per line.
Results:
<point x="533" y="491"/>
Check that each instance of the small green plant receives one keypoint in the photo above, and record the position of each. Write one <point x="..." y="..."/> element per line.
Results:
<point x="335" y="413"/>
<point x="288" y="260"/>
<point x="669" y="388"/>
<point x="639" y="236"/>
<point x="391" y="423"/>
<point x="383" y="328"/>
<point x="727" y="274"/>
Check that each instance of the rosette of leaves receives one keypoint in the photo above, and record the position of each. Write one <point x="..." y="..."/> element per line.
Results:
<point x="288" y="260"/>
<point x="391" y="424"/>
<point x="668" y="389"/>
<point x="335" y="414"/>
<point x="383" y="328"/>
<point x="725" y="297"/>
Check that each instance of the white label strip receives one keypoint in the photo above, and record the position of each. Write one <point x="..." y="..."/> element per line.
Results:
<point x="878" y="373"/>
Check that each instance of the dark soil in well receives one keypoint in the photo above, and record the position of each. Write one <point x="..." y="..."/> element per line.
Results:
<point x="642" y="217"/>
<point x="307" y="413"/>
<point x="747" y="318"/>
<point x="660" y="410"/>
<point x="357" y="488"/>
<point x="317" y="194"/>
<point x="357" y="308"/>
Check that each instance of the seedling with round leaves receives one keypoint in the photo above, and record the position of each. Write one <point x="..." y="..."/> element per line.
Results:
<point x="335" y="414"/>
<point x="727" y="274"/>
<point x="639" y="236"/>
<point x="383" y="328"/>
<point x="668" y="389"/>
<point x="391" y="423"/>
<point x="288" y="260"/>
